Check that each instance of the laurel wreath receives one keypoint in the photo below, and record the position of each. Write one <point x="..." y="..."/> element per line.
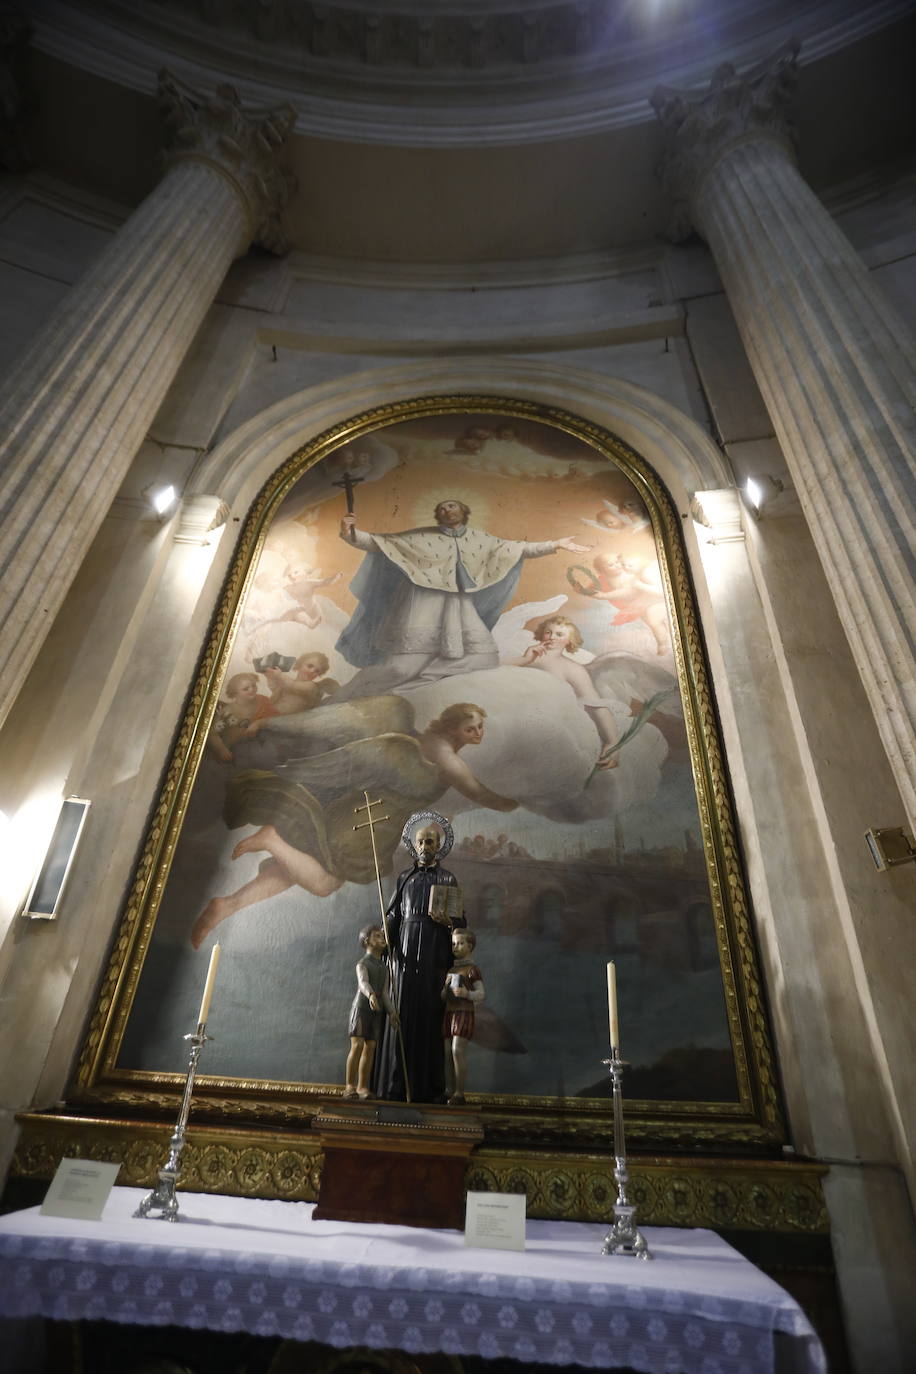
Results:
<point x="592" y="585"/>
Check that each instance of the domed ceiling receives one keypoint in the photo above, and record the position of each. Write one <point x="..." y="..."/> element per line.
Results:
<point x="482" y="130"/>
<point x="446" y="73"/>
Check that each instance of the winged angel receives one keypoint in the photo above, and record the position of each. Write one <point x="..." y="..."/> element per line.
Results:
<point x="533" y="741"/>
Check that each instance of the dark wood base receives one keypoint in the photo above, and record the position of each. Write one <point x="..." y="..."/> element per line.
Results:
<point x="401" y="1165"/>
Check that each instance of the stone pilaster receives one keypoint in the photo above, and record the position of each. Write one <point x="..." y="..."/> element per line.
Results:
<point x="75" y="410"/>
<point x="834" y="363"/>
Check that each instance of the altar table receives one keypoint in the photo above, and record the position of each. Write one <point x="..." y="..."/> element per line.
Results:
<point x="238" y="1264"/>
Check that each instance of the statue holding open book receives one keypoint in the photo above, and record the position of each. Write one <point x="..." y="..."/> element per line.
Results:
<point x="424" y="911"/>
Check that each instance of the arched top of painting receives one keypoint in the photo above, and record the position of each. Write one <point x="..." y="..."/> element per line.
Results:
<point x="465" y="442"/>
<point x="364" y="510"/>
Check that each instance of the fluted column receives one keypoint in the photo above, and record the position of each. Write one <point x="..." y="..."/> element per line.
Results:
<point x="76" y="409"/>
<point x="834" y="363"/>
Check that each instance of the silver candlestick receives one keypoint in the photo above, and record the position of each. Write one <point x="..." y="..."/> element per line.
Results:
<point x="162" y="1199"/>
<point x="624" y="1237"/>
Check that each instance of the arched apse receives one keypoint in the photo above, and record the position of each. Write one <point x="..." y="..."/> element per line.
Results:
<point x="684" y="457"/>
<point x="588" y="800"/>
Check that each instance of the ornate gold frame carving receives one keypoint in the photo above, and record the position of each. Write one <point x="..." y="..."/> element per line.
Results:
<point x="754" y="1122"/>
<point x="726" y="1194"/>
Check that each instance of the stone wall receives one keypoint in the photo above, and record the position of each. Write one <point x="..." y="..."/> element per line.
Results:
<point x="642" y="342"/>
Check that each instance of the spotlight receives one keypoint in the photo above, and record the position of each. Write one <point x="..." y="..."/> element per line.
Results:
<point x="161" y="496"/>
<point x="761" y="490"/>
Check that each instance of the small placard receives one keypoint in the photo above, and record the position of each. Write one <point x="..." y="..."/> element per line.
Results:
<point x="79" y="1189"/>
<point x="495" y="1221"/>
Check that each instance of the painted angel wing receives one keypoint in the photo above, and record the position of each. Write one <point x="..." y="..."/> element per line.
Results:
<point x="630" y="678"/>
<point x="331" y="614"/>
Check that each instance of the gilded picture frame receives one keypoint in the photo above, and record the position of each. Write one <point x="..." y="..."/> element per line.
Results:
<point x="749" y="1117"/>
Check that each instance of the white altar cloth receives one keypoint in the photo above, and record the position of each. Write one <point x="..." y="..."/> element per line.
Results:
<point x="238" y="1264"/>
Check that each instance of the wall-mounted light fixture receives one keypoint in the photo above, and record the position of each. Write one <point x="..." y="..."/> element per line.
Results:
<point x="890" y="847"/>
<point x="760" y="491"/>
<point x="161" y="497"/>
<point x="202" y="519"/>
<point x="44" y="897"/>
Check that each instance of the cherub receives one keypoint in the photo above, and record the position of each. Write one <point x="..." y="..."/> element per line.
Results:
<point x="299" y="689"/>
<point x="240" y="717"/>
<point x="372" y="999"/>
<point x="468" y="443"/>
<point x="557" y="638"/>
<point x="301" y="581"/>
<point x="623" y="583"/>
<point x="462" y="991"/>
<point x="629" y="515"/>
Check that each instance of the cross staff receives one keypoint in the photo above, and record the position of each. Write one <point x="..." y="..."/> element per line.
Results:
<point x="371" y="824"/>
<point x="348" y="482"/>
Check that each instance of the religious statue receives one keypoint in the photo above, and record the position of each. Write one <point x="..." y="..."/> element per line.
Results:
<point x="463" y="989"/>
<point x="371" y="1002"/>
<point x="419" y="928"/>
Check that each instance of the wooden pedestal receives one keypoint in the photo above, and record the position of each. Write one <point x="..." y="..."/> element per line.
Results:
<point x="387" y="1162"/>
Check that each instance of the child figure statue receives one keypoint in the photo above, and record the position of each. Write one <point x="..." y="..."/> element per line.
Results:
<point x="372" y="997"/>
<point x="463" y="988"/>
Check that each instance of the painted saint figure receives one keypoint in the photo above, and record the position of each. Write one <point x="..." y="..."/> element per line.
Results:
<point x="463" y="991"/>
<point x="429" y="598"/>
<point x="419" y="958"/>
<point x="371" y="1002"/>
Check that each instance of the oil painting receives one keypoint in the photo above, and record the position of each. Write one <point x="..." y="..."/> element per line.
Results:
<point x="468" y="612"/>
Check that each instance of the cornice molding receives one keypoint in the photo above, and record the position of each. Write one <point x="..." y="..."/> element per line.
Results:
<point x="481" y="276"/>
<point x="381" y="81"/>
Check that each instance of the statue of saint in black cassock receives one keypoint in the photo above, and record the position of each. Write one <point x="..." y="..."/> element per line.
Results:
<point x="419" y="956"/>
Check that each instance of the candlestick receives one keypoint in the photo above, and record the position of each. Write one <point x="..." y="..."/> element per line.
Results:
<point x="624" y="1237"/>
<point x="162" y="1200"/>
<point x="208" y="987"/>
<point x="612" y="1004"/>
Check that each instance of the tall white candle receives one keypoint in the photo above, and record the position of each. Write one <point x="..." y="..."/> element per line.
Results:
<point x="208" y="986"/>
<point x="612" y="1005"/>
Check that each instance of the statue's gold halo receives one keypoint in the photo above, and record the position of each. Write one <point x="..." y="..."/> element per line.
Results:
<point x="479" y="506"/>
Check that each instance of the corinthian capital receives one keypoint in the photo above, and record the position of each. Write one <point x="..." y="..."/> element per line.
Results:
<point x="241" y="144"/>
<point x="700" y="128"/>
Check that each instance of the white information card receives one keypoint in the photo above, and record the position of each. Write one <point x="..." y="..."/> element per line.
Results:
<point x="79" y="1189"/>
<point x="495" y="1221"/>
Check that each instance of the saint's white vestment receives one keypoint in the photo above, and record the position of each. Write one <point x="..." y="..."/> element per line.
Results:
<point x="434" y="592"/>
